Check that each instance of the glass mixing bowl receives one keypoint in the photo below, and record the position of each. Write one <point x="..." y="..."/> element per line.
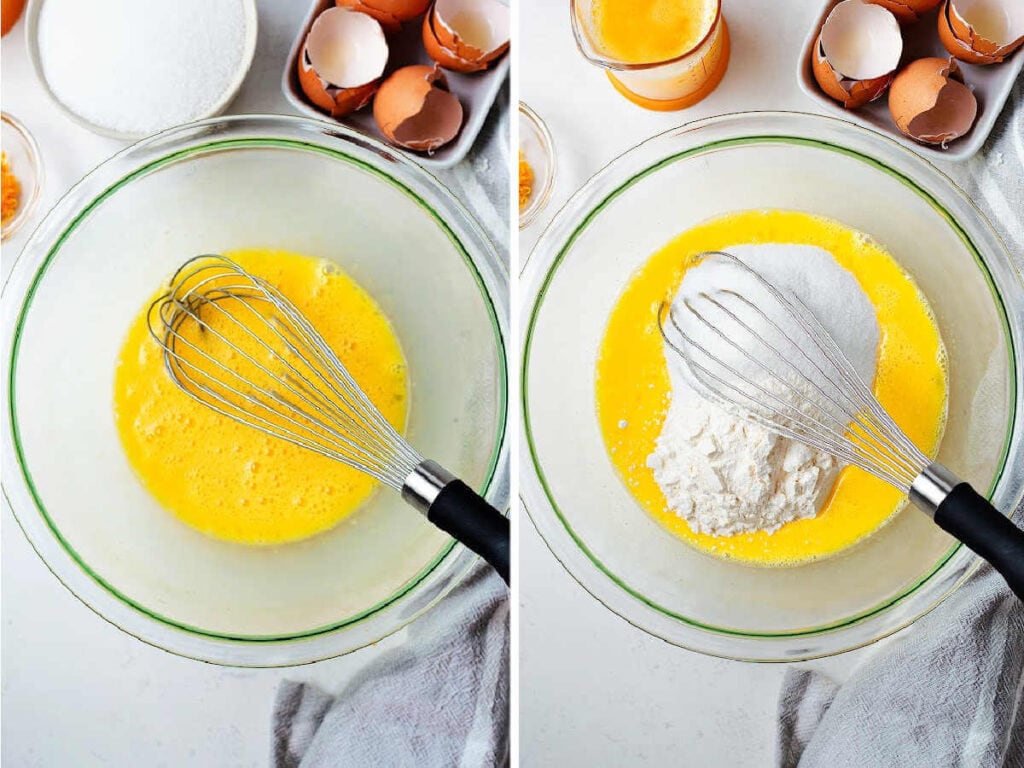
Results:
<point x="577" y="272"/>
<point x="252" y="181"/>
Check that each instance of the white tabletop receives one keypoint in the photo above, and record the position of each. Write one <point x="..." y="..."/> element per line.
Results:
<point x="595" y="690"/>
<point x="76" y="690"/>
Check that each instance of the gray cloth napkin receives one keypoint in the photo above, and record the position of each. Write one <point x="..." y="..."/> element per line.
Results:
<point x="442" y="698"/>
<point x="949" y="695"/>
<point x="951" y="691"/>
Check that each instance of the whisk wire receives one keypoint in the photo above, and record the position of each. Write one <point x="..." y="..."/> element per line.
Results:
<point x="851" y="413"/>
<point x="341" y="381"/>
<point x="837" y="358"/>
<point x="807" y="390"/>
<point x="302" y="393"/>
<point x="180" y="368"/>
<point x="827" y="440"/>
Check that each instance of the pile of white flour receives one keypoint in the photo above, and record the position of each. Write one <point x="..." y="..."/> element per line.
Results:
<point x="726" y="476"/>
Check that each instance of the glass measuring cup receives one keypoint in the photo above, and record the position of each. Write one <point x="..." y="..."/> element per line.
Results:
<point x="666" y="85"/>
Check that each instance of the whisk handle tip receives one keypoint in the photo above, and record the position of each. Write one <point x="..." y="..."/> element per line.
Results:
<point x="968" y="516"/>
<point x="465" y="515"/>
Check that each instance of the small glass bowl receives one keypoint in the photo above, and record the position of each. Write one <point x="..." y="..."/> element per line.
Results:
<point x="26" y="164"/>
<point x="538" y="149"/>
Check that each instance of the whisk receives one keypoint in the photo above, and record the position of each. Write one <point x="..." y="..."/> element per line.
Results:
<point x="233" y="342"/>
<point x="765" y="357"/>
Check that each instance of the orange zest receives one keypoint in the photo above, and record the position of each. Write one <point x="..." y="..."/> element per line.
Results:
<point x="11" y="189"/>
<point x="525" y="181"/>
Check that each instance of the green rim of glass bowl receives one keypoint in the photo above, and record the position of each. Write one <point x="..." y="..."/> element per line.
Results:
<point x="597" y="209"/>
<point x="199" y="149"/>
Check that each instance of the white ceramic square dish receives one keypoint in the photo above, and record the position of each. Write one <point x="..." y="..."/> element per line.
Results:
<point x="477" y="91"/>
<point x="991" y="86"/>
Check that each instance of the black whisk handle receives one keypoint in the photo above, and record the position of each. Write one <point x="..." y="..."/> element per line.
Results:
<point x="462" y="513"/>
<point x="968" y="516"/>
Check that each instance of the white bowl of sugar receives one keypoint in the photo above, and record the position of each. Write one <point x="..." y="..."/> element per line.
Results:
<point x="130" y="68"/>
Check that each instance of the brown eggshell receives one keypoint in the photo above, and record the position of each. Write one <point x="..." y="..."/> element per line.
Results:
<point x="915" y="89"/>
<point x="353" y="99"/>
<point x="907" y="11"/>
<point x="903" y="12"/>
<point x="930" y="103"/>
<point x="957" y="47"/>
<point x="864" y="91"/>
<point x="958" y="25"/>
<point x="921" y="7"/>
<point x="403" y="10"/>
<point x="388" y="20"/>
<point x="850" y="93"/>
<point x="314" y="88"/>
<point x="965" y="33"/>
<point x="339" y="85"/>
<point x="442" y="55"/>
<point x="865" y="44"/>
<point x="498" y="52"/>
<point x="10" y="12"/>
<point x="449" y="38"/>
<point x="414" y="108"/>
<point x="331" y="99"/>
<point x="827" y="78"/>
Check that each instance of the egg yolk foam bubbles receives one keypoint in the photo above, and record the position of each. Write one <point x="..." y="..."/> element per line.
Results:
<point x="228" y="479"/>
<point x="635" y="392"/>
<point x="650" y="31"/>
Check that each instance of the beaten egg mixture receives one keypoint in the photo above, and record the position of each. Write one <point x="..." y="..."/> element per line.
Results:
<point x="648" y="31"/>
<point x="227" y="479"/>
<point x="633" y="388"/>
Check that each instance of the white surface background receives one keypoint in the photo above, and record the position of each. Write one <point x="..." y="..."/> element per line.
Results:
<point x="77" y="691"/>
<point x="595" y="690"/>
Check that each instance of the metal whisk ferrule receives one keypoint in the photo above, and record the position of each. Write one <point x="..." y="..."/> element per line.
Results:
<point x="768" y="359"/>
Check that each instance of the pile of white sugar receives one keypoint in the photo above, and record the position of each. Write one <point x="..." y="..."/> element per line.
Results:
<point x="139" y="66"/>
<point x="726" y="476"/>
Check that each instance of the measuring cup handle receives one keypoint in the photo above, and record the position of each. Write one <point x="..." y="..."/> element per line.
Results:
<point x="461" y="512"/>
<point x="968" y="516"/>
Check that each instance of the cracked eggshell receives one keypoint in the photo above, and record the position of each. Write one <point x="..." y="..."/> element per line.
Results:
<point x="442" y="55"/>
<point x="390" y="13"/>
<point x="907" y="11"/>
<point x="467" y="32"/>
<point x="414" y="108"/>
<point x="342" y="102"/>
<point x="10" y="12"/>
<point x="982" y="31"/>
<point x="955" y="46"/>
<point x="857" y="52"/>
<point x="930" y="102"/>
<point x="850" y="93"/>
<point x="342" y="61"/>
